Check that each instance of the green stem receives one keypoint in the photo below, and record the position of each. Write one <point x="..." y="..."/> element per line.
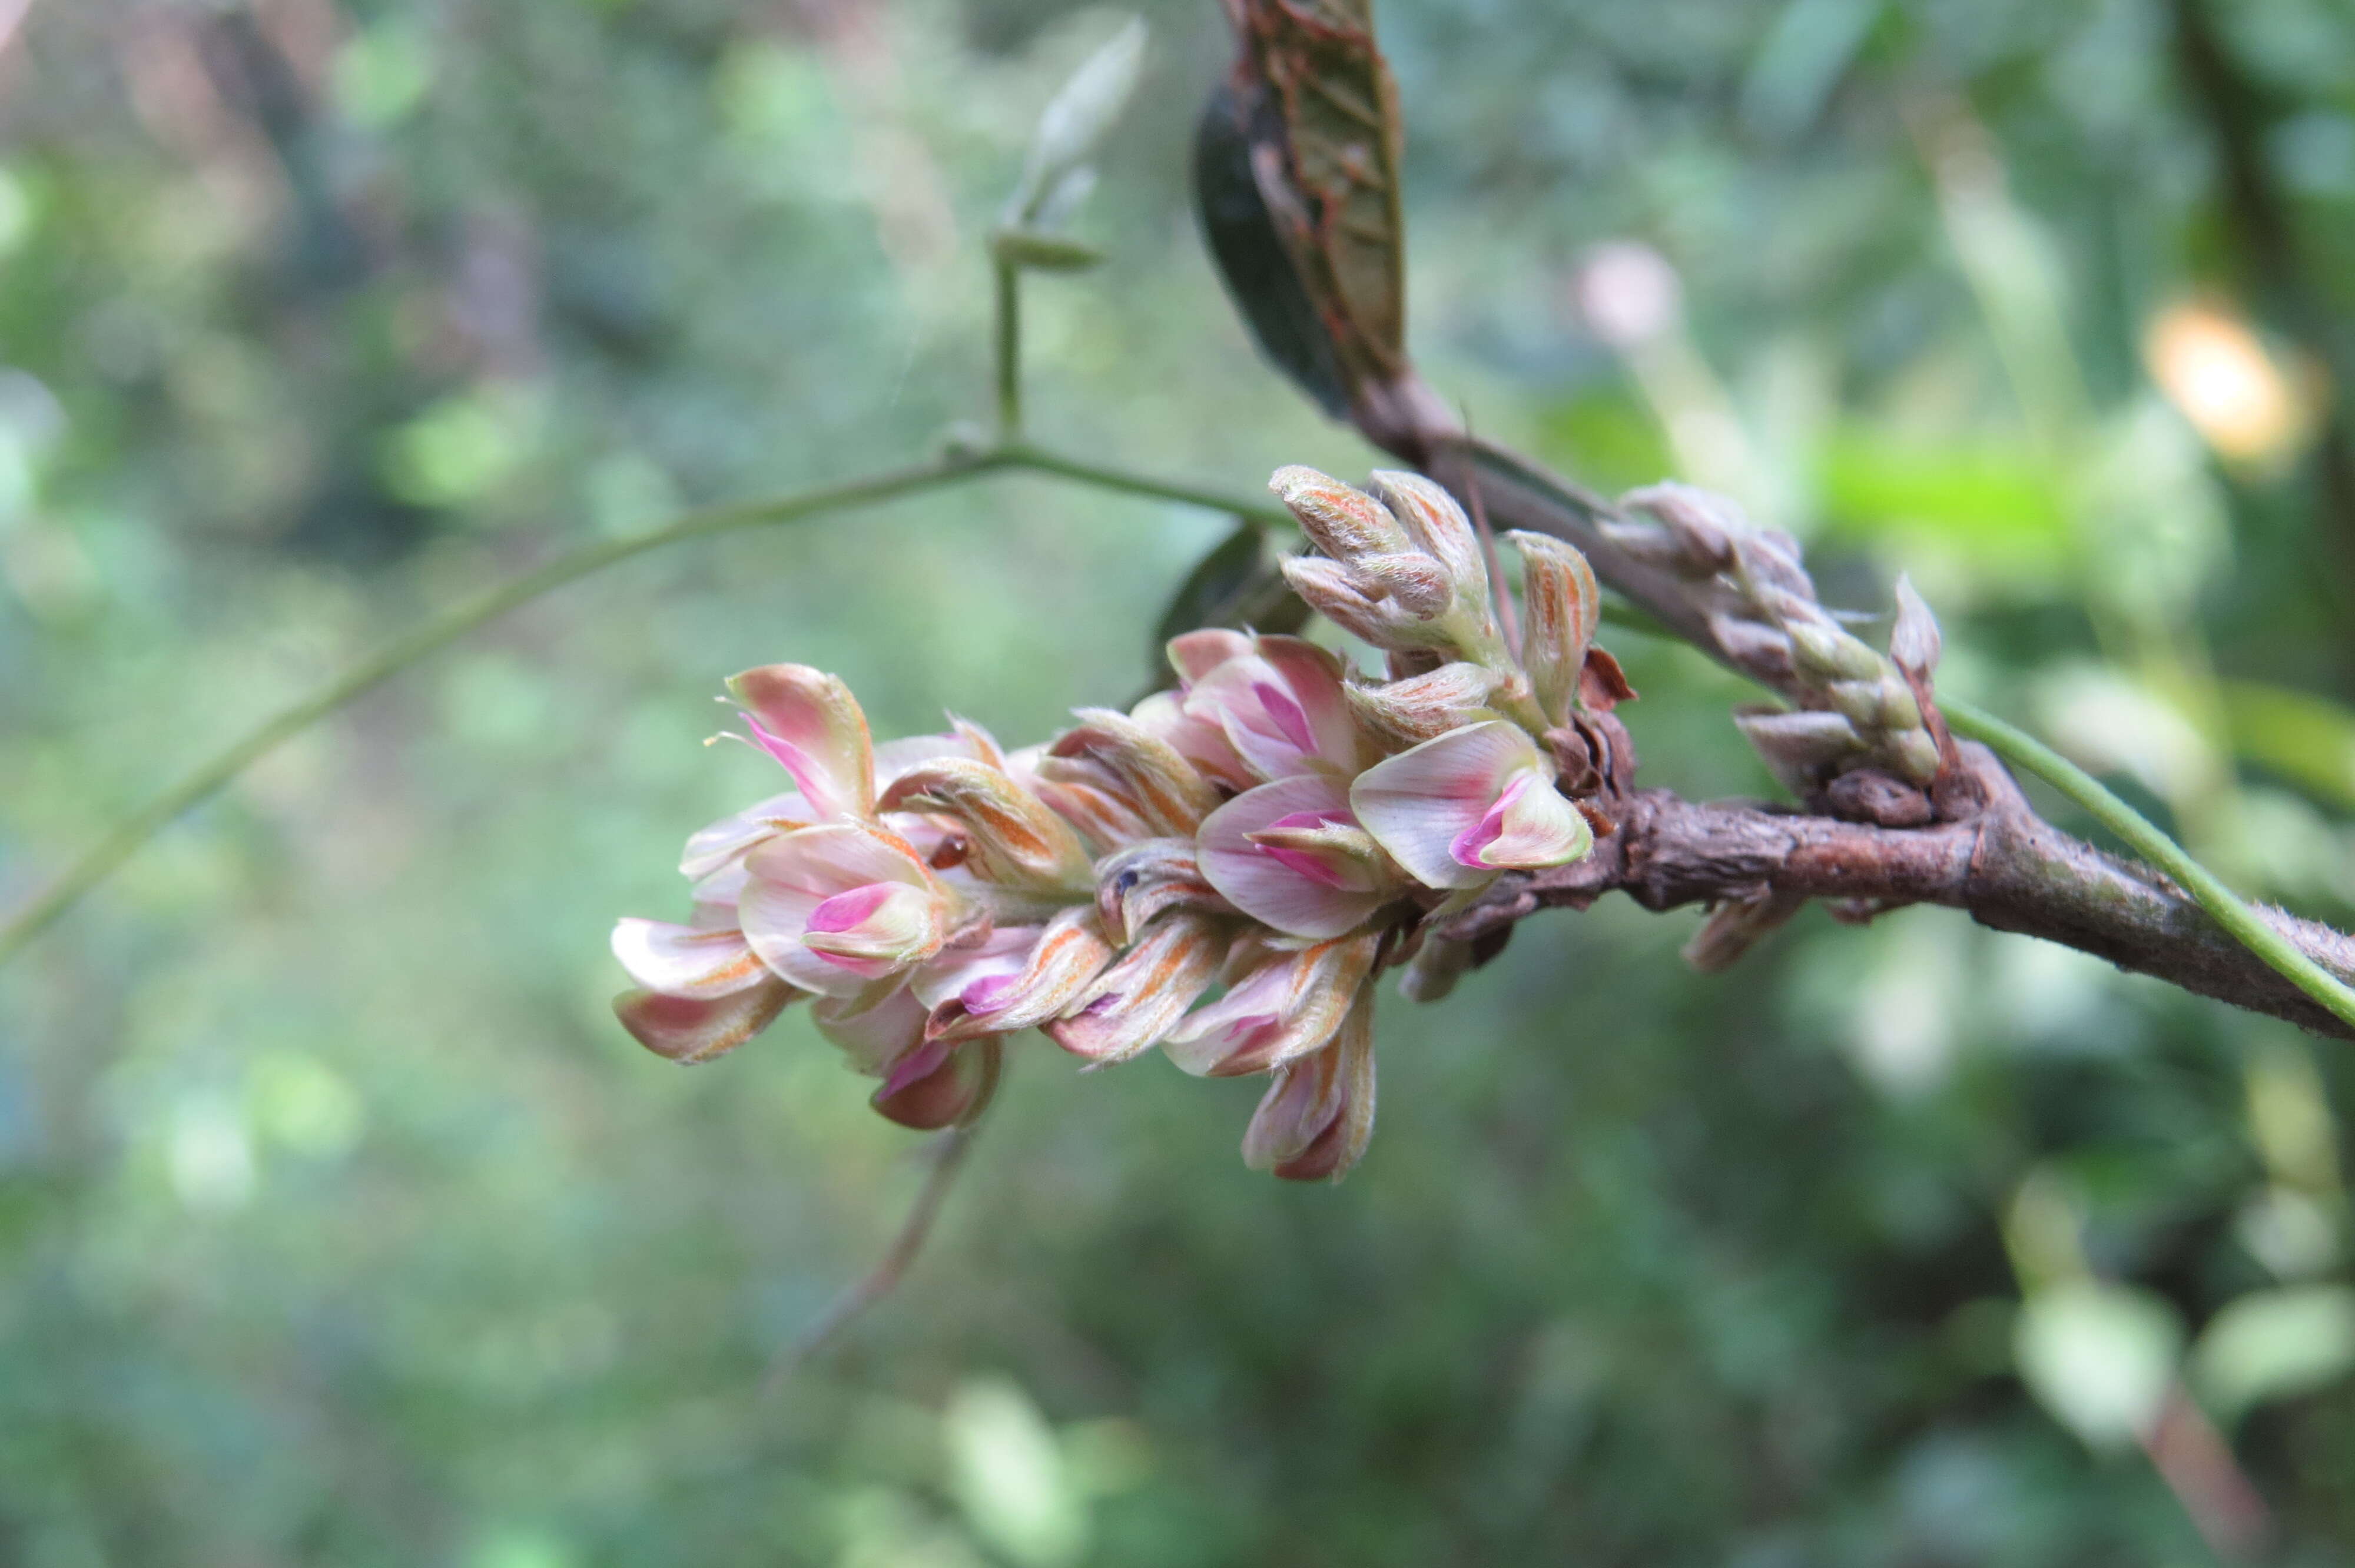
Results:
<point x="435" y="634"/>
<point x="1010" y="350"/>
<point x="1021" y="454"/>
<point x="2225" y="906"/>
<point x="133" y="832"/>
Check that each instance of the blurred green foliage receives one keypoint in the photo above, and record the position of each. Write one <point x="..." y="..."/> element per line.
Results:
<point x="341" y="1225"/>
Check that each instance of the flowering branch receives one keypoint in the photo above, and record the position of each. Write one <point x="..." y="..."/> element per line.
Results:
<point x="2003" y="864"/>
<point x="1286" y="189"/>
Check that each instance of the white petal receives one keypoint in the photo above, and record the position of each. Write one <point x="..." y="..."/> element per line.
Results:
<point x="1261" y="886"/>
<point x="728" y="839"/>
<point x="681" y="960"/>
<point x="876" y="1029"/>
<point x="1417" y="803"/>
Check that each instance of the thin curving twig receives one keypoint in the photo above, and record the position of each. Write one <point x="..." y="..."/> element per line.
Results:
<point x="948" y="1154"/>
<point x="210" y="777"/>
<point x="2224" y="906"/>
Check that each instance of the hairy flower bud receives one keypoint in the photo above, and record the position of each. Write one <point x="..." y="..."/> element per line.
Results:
<point x="1423" y="707"/>
<point x="1440" y="527"/>
<point x="1563" y="606"/>
<point x="1798" y="748"/>
<point x="1914" y="644"/>
<point x="1340" y="520"/>
<point x="1056" y="970"/>
<point x="1821" y="651"/>
<point x="1135" y="885"/>
<point x="1693" y="533"/>
<point x="1129" y="1007"/>
<point x="1115" y="753"/>
<point x="1315" y="1119"/>
<point x="1013" y="840"/>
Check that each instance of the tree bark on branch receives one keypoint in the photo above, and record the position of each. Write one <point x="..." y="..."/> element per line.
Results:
<point x="2004" y="865"/>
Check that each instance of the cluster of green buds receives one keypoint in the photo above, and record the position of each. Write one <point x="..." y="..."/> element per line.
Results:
<point x="1855" y="707"/>
<point x="1219" y="873"/>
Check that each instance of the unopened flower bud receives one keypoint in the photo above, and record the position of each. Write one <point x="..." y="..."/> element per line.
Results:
<point x="1336" y="593"/>
<point x="1135" y="885"/>
<point x="1440" y="527"/>
<point x="1563" y="607"/>
<point x="1759" y="651"/>
<point x="1129" y="1007"/>
<point x="1422" y="707"/>
<point x="1316" y="1116"/>
<point x="1914" y="644"/>
<point x="1418" y="585"/>
<point x="1340" y="520"/>
<point x="1798" y="747"/>
<point x="1914" y="754"/>
<point x="1700" y="527"/>
<point x="1821" y="651"/>
<point x="1114" y="751"/>
<point x="1014" y="840"/>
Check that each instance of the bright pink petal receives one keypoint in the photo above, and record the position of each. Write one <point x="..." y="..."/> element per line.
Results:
<point x="1282" y="709"/>
<point x="795" y="874"/>
<point x="878" y="929"/>
<point x="809" y="722"/>
<point x="1312" y="676"/>
<point x="1420" y="803"/>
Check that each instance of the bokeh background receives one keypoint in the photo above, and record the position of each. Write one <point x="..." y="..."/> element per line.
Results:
<point x="338" y="1222"/>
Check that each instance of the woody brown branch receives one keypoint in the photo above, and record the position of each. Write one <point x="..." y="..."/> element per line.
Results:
<point x="2003" y="865"/>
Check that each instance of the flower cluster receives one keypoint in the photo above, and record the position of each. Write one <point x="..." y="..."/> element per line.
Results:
<point x="1220" y="871"/>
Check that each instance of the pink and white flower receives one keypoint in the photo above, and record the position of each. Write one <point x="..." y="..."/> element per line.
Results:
<point x="1278" y="702"/>
<point x="1291" y="855"/>
<point x="835" y="908"/>
<point x="811" y="724"/>
<point x="1315" y="1119"/>
<point x="1281" y="1006"/>
<point x="1477" y="800"/>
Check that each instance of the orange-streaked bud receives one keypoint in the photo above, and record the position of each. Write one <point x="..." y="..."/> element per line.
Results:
<point x="1279" y="1010"/>
<point x="1340" y="520"/>
<point x="1069" y="953"/>
<point x="1014" y="841"/>
<point x="1115" y="753"/>
<point x="1424" y="707"/>
<point x="1129" y="1007"/>
<point x="1440" y="527"/>
<point x="1563" y="607"/>
<point x="1315" y="1119"/>
<point x="1136" y="885"/>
